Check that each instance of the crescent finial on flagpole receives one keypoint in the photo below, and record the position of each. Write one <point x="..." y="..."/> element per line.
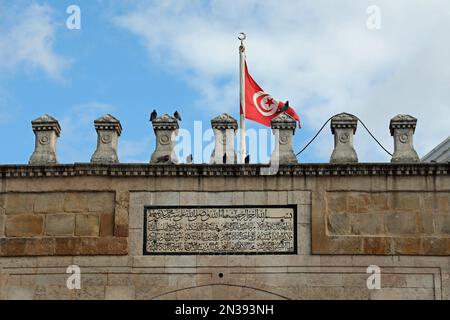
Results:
<point x="242" y="36"/>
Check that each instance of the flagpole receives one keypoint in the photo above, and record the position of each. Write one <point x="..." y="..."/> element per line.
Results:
<point x="242" y="146"/>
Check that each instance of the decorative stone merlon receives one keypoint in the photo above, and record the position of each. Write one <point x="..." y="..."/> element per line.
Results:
<point x="166" y="130"/>
<point x="108" y="131"/>
<point x="343" y="127"/>
<point x="224" y="127"/>
<point x="46" y="130"/>
<point x="283" y="127"/>
<point x="402" y="128"/>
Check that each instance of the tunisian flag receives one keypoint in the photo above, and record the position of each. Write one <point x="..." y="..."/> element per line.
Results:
<point x="260" y="106"/>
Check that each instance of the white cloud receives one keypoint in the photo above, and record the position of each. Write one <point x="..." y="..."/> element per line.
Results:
<point x="135" y="151"/>
<point x="27" y="35"/>
<point x="319" y="55"/>
<point x="78" y="137"/>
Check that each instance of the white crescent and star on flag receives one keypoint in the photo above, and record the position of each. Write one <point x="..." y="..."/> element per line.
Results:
<point x="265" y="103"/>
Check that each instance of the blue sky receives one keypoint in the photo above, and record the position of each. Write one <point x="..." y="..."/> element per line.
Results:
<point x="131" y="57"/>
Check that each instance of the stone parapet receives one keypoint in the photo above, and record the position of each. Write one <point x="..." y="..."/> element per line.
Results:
<point x="224" y="127"/>
<point x="183" y="170"/>
<point x="166" y="130"/>
<point x="108" y="131"/>
<point x="283" y="127"/>
<point x="46" y="130"/>
<point x="343" y="127"/>
<point x="402" y="128"/>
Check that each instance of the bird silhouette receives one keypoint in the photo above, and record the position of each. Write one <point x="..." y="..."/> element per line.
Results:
<point x="224" y="159"/>
<point x="247" y="159"/>
<point x="189" y="159"/>
<point x="284" y="108"/>
<point x="177" y="116"/>
<point x="153" y="115"/>
<point x="161" y="159"/>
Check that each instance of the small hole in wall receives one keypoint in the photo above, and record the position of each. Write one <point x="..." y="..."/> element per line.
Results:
<point x="221" y="275"/>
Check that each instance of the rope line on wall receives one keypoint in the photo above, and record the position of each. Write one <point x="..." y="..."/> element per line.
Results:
<point x="323" y="126"/>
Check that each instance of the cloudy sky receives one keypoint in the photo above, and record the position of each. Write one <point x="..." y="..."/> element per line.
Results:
<point x="131" y="57"/>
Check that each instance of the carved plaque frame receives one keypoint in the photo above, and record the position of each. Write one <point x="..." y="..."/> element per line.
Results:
<point x="289" y="206"/>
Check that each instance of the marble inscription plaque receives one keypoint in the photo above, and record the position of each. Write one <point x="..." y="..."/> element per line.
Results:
<point x="220" y="230"/>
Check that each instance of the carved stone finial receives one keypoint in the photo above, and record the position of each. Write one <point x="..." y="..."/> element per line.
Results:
<point x="166" y="130"/>
<point x="402" y="128"/>
<point x="343" y="127"/>
<point x="46" y="130"/>
<point x="108" y="131"/>
<point x="283" y="127"/>
<point x="224" y="127"/>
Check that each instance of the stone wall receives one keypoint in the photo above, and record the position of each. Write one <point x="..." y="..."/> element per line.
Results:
<point x="58" y="223"/>
<point x="380" y="222"/>
<point x="349" y="216"/>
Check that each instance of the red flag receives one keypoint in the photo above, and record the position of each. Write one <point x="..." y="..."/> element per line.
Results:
<point x="260" y="106"/>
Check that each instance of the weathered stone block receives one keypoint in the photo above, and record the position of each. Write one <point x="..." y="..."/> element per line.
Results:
<point x="119" y="292"/>
<point x="425" y="223"/>
<point x="75" y="202"/>
<point x="89" y="246"/>
<point x="443" y="203"/>
<point x="103" y="202"/>
<point x="377" y="246"/>
<point x="435" y="246"/>
<point x="366" y="224"/>
<point x="393" y="280"/>
<point x="121" y="208"/>
<point x="54" y="292"/>
<point x="60" y="224"/>
<point x="121" y="230"/>
<point x="400" y="223"/>
<point x="406" y="201"/>
<point x="20" y="293"/>
<point x="420" y="281"/>
<point x="407" y="245"/>
<point x="90" y="293"/>
<point x="363" y="202"/>
<point x="40" y="247"/>
<point x="189" y="198"/>
<point x="24" y="225"/>
<point x="429" y="202"/>
<point x="337" y="202"/>
<point x="94" y="279"/>
<point x="338" y="224"/>
<point x="106" y="224"/>
<point x="12" y="247"/>
<point x="49" y="202"/>
<point x="17" y="203"/>
<point x="87" y="225"/>
<point x="337" y="245"/>
<point x="2" y="225"/>
<point x="112" y="245"/>
<point x="67" y="246"/>
<point x="442" y="223"/>
<point x="380" y="201"/>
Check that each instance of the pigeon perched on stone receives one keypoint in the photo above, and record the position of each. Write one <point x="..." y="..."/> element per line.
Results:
<point x="162" y="159"/>
<point x="177" y="116"/>
<point x="247" y="159"/>
<point x="153" y="115"/>
<point x="284" y="108"/>
<point x="189" y="159"/>
<point x="224" y="159"/>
